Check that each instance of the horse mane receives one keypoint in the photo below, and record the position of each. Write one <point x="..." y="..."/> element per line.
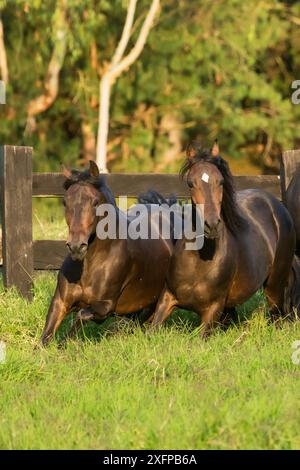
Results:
<point x="230" y="211"/>
<point x="99" y="182"/>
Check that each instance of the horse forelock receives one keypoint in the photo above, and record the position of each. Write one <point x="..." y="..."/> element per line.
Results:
<point x="85" y="178"/>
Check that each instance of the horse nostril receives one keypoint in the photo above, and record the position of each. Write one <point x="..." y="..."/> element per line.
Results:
<point x="214" y="225"/>
<point x="83" y="247"/>
<point x="77" y="248"/>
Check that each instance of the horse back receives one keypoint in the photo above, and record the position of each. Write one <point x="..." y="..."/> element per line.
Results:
<point x="266" y="212"/>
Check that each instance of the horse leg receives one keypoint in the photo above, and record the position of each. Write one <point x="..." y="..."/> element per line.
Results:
<point x="146" y="314"/>
<point x="274" y="289"/>
<point x="60" y="306"/>
<point x="277" y="281"/>
<point x="210" y="317"/>
<point x="85" y="314"/>
<point x="275" y="299"/>
<point x="228" y="316"/>
<point x="97" y="313"/>
<point x="165" y="305"/>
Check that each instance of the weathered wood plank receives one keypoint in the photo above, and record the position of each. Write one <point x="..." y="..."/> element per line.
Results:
<point x="51" y="184"/>
<point x="289" y="163"/>
<point x="49" y="254"/>
<point x="16" y="209"/>
<point x="47" y="184"/>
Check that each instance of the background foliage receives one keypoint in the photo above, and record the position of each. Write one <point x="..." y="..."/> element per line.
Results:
<point x="209" y="69"/>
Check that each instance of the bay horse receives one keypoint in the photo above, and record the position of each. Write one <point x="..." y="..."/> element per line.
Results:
<point x="249" y="243"/>
<point x="293" y="205"/>
<point x="101" y="277"/>
<point x="292" y="202"/>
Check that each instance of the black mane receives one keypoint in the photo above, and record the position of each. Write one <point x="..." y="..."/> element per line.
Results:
<point x="230" y="211"/>
<point x="99" y="182"/>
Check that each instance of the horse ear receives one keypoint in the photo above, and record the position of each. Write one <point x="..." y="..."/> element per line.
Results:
<point x="94" y="170"/>
<point x="215" y="149"/>
<point x="65" y="171"/>
<point x="190" y="151"/>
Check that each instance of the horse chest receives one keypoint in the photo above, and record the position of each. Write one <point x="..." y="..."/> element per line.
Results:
<point x="198" y="281"/>
<point x="97" y="286"/>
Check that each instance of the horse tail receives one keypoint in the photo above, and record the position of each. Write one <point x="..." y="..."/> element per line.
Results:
<point x="292" y="290"/>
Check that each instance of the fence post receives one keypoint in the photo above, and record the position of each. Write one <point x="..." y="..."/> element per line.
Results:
<point x="16" y="210"/>
<point x="289" y="163"/>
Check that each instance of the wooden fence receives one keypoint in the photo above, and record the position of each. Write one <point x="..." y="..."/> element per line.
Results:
<point x="22" y="255"/>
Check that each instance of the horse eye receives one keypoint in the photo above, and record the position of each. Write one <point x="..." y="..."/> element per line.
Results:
<point x="190" y="183"/>
<point x="96" y="202"/>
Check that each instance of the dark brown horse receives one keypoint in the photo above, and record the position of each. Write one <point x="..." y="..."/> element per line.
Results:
<point x="103" y="276"/>
<point x="249" y="243"/>
<point x="293" y="205"/>
<point x="292" y="200"/>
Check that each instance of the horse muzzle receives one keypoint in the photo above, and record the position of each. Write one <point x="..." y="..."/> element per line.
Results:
<point x="212" y="230"/>
<point x="77" y="250"/>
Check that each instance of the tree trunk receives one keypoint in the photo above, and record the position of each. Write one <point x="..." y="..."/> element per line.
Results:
<point x="3" y="58"/>
<point x="115" y="69"/>
<point x="105" y="88"/>
<point x="51" y="86"/>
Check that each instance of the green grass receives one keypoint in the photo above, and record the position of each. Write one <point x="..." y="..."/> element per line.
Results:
<point x="239" y="389"/>
<point x="116" y="387"/>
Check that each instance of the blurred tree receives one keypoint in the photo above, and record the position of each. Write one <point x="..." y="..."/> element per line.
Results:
<point x="116" y="67"/>
<point x="3" y="58"/>
<point x="51" y="85"/>
<point x="208" y="69"/>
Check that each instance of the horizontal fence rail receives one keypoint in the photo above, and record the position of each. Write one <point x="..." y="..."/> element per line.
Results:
<point x="22" y="254"/>
<point x="49" y="254"/>
<point x="51" y="184"/>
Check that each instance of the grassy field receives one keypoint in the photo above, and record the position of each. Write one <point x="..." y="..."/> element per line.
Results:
<point x="126" y="389"/>
<point x="116" y="387"/>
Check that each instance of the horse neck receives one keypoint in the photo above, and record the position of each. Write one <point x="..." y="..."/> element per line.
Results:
<point x="97" y="246"/>
<point x="211" y="246"/>
<point x="104" y="244"/>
